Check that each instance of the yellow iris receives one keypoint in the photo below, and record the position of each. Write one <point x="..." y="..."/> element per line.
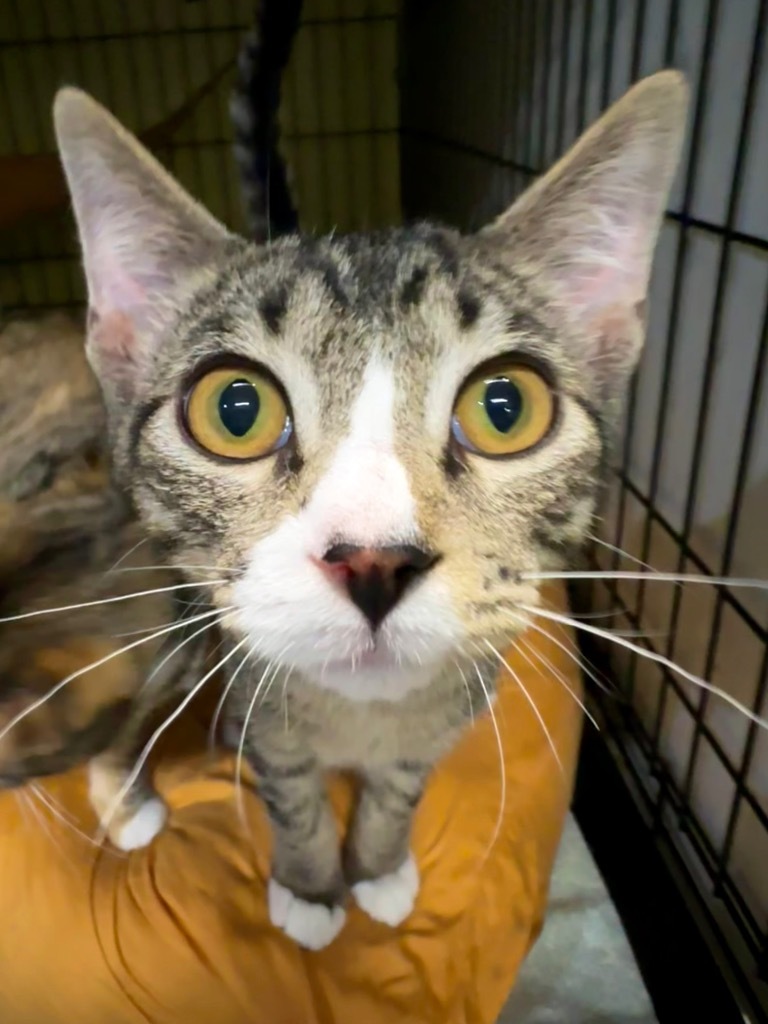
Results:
<point x="237" y="413"/>
<point x="504" y="411"/>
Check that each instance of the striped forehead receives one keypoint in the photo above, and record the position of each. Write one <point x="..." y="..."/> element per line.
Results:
<point x="365" y="496"/>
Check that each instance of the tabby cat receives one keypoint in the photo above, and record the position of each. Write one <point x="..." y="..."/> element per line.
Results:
<point x="372" y="440"/>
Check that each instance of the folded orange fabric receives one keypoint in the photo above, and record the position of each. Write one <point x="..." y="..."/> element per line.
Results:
<point x="179" y="931"/>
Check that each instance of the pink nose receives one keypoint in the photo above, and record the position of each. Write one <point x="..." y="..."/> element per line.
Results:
<point x="376" y="578"/>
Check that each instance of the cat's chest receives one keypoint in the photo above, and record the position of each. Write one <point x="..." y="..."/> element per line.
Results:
<point x="359" y="734"/>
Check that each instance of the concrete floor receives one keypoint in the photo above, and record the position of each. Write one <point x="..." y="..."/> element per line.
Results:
<point x="582" y="970"/>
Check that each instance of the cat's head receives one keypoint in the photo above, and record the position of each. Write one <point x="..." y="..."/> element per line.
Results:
<point x="371" y="438"/>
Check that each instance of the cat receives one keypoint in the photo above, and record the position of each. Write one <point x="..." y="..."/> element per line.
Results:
<point x="62" y="529"/>
<point x="374" y="439"/>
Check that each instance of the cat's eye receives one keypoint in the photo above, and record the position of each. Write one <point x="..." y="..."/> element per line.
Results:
<point x="237" y="413"/>
<point x="503" y="411"/>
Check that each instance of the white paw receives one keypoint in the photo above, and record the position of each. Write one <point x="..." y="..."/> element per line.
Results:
<point x="389" y="899"/>
<point x="311" y="925"/>
<point x="142" y="828"/>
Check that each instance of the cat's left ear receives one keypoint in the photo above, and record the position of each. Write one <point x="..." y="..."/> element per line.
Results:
<point x="143" y="238"/>
<point x="586" y="231"/>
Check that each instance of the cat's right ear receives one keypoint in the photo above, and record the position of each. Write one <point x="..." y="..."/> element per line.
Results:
<point x="144" y="240"/>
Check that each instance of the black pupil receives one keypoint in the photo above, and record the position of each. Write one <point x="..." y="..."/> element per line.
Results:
<point x="503" y="404"/>
<point x="239" y="406"/>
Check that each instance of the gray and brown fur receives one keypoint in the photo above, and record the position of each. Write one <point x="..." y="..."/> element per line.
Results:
<point x="559" y="279"/>
<point x="63" y="528"/>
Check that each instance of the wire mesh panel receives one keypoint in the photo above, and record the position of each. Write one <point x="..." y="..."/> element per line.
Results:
<point x="492" y="94"/>
<point x="165" y="68"/>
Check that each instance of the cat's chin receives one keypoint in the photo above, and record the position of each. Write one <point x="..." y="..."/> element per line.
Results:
<point x="372" y="676"/>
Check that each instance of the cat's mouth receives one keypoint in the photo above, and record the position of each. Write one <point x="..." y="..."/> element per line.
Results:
<point x="375" y="658"/>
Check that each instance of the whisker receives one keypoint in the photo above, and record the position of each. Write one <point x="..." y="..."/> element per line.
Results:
<point x="619" y="551"/>
<point x="194" y="603"/>
<point x="611" y="614"/>
<point x="105" y="600"/>
<point x="46" y="829"/>
<point x="224" y="614"/>
<point x="47" y="797"/>
<point x="141" y="632"/>
<point x="274" y="666"/>
<point x="502" y="765"/>
<point x="560" y="676"/>
<point x="168" y="568"/>
<point x="465" y="681"/>
<point x="88" y="668"/>
<point x="653" y="656"/>
<point x="63" y="817"/>
<point x="532" y="704"/>
<point x="736" y="582"/>
<point x="586" y="666"/>
<point x="22" y="802"/>
<point x="223" y="699"/>
<point x="150" y="744"/>
<point x="127" y="554"/>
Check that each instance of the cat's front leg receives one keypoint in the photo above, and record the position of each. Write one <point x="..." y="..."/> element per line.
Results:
<point x="306" y="890"/>
<point x="378" y="863"/>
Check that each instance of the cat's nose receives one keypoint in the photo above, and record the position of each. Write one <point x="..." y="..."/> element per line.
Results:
<point x="377" y="578"/>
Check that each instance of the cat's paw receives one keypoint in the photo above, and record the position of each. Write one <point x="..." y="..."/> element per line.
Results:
<point x="136" y="820"/>
<point x="141" y="827"/>
<point x="391" y="898"/>
<point x="312" y="925"/>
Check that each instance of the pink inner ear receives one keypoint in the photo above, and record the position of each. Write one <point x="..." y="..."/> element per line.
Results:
<point x="115" y="288"/>
<point x="618" y="333"/>
<point x="112" y="339"/>
<point x="612" y="274"/>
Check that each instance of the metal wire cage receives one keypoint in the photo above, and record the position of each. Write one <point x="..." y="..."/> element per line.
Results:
<point x="492" y="94"/>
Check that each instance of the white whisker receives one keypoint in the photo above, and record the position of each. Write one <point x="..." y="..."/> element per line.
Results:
<point x="22" y="799"/>
<point x="159" y="731"/>
<point x="223" y="699"/>
<point x="48" y="799"/>
<point x="598" y="615"/>
<point x="658" y="577"/>
<point x="559" y="676"/>
<point x="141" y="632"/>
<point x="274" y="667"/>
<point x="169" y="568"/>
<point x="653" y="656"/>
<point x="127" y="554"/>
<point x="45" y="828"/>
<point x="224" y="614"/>
<point x="465" y="681"/>
<point x="64" y="817"/>
<point x="620" y="551"/>
<point x="89" y="668"/>
<point x="532" y="704"/>
<point x="195" y="603"/>
<point x="105" y="600"/>
<point x="583" y="663"/>
<point x="502" y="765"/>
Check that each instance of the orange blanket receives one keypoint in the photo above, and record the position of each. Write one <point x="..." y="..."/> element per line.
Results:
<point x="179" y="932"/>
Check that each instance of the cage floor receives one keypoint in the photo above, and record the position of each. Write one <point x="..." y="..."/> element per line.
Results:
<point x="582" y="969"/>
